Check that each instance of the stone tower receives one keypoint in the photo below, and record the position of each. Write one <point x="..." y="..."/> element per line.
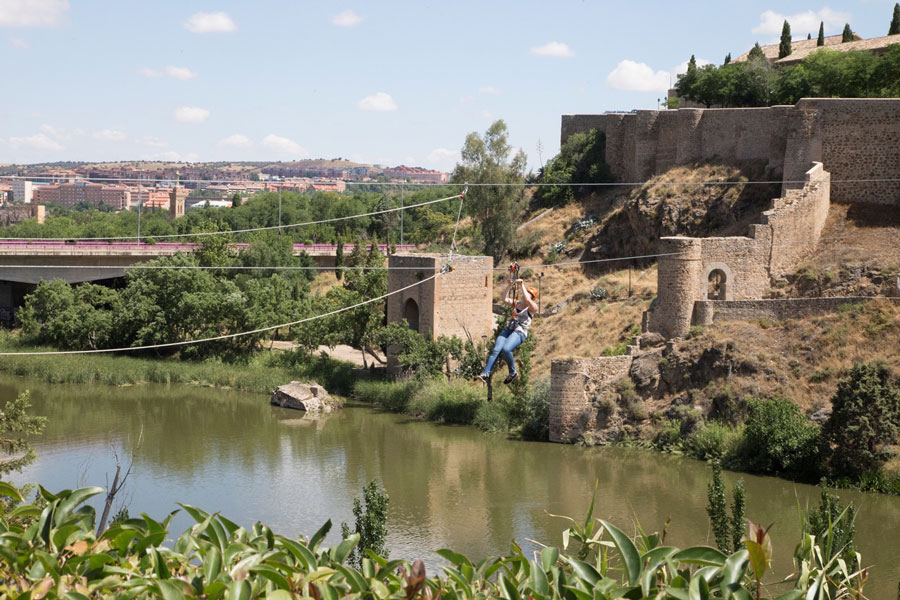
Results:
<point x="680" y="285"/>
<point x="176" y="201"/>
<point x="457" y="303"/>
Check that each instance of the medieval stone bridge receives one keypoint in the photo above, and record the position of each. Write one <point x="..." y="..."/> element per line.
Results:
<point x="17" y="255"/>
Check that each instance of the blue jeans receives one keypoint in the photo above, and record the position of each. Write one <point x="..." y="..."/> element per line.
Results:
<point x="507" y="341"/>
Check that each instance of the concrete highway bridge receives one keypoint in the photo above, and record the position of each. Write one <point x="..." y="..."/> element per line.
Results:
<point x="16" y="279"/>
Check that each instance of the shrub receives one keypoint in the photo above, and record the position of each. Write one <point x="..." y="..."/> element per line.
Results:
<point x="491" y="417"/>
<point x="778" y="439"/>
<point x="581" y="159"/>
<point x="371" y="523"/>
<point x="390" y="395"/>
<point x="537" y="423"/>
<point x="865" y="418"/>
<point x="713" y="441"/>
<point x="526" y="245"/>
<point x="448" y="403"/>
<point x="834" y="526"/>
<point x="668" y="436"/>
<point x="727" y="531"/>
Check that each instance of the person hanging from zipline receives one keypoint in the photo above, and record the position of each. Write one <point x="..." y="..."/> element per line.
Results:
<point x="522" y="299"/>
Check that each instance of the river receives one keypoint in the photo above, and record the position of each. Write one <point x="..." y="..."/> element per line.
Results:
<point x="449" y="487"/>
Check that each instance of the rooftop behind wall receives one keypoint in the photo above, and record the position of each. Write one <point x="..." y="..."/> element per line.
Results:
<point x="855" y="139"/>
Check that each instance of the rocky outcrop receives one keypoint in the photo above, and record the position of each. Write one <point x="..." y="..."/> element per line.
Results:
<point x="310" y="397"/>
<point x="660" y="209"/>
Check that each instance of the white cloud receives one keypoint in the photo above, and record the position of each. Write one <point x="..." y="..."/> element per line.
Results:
<point x="110" y="135"/>
<point x="283" y="145"/>
<point x="153" y="142"/>
<point x="347" y="18"/>
<point x="180" y="72"/>
<point x="38" y="141"/>
<point x="169" y="155"/>
<point x="557" y="49"/>
<point x="237" y="141"/>
<point x="18" y="43"/>
<point x="485" y="114"/>
<point x="637" y="77"/>
<point x="148" y="72"/>
<point x="191" y="114"/>
<point x="379" y="101"/>
<point x="771" y="22"/>
<point x="214" y="22"/>
<point x="443" y="158"/>
<point x="489" y="90"/>
<point x="32" y="13"/>
<point x="56" y="132"/>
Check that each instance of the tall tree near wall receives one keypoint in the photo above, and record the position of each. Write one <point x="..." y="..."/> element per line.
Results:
<point x="820" y="41"/>
<point x="727" y="58"/>
<point x="491" y="159"/>
<point x="755" y="52"/>
<point x="847" y="35"/>
<point x="784" y="48"/>
<point x="895" y="22"/>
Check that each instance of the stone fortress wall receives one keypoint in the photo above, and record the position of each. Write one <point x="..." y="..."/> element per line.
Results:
<point x="856" y="139"/>
<point x="806" y="145"/>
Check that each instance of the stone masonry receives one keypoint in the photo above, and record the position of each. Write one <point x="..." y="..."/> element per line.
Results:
<point x="574" y="387"/>
<point x="855" y="139"/>
<point x="456" y="303"/>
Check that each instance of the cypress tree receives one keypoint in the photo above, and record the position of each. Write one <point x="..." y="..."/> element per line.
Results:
<point x="784" y="48"/>
<point x="847" y="35"/>
<point x="756" y="52"/>
<point x="727" y="58"/>
<point x="809" y="36"/>
<point x="895" y="22"/>
<point x="821" y="40"/>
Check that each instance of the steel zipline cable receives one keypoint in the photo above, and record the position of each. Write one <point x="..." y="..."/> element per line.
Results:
<point x="571" y="263"/>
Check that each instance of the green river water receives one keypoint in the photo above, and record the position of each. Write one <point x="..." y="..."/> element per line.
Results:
<point x="449" y="487"/>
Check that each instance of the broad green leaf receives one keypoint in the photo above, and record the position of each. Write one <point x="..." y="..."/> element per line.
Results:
<point x="300" y="552"/>
<point x="539" y="582"/>
<point x="453" y="557"/>
<point x="549" y="557"/>
<point x="585" y="571"/>
<point x="356" y="581"/>
<point x="272" y="575"/>
<point x="212" y="565"/>
<point x="171" y="590"/>
<point x="239" y="590"/>
<point x="76" y="498"/>
<point x="651" y="561"/>
<point x="699" y="589"/>
<point x="279" y="595"/>
<point x="317" y="538"/>
<point x="631" y="560"/>
<point x="700" y="555"/>
<point x="758" y="559"/>
<point x="340" y="552"/>
<point x="733" y="571"/>
<point x="9" y="490"/>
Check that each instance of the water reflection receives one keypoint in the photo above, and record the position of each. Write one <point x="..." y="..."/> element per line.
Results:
<point x="449" y="486"/>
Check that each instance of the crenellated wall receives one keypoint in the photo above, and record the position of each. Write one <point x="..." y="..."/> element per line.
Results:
<point x="857" y="140"/>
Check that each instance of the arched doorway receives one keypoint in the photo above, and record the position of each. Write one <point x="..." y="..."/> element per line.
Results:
<point x="411" y="314"/>
<point x="717" y="285"/>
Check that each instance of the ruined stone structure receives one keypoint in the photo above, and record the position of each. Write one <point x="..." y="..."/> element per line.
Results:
<point x="855" y="139"/>
<point x="738" y="268"/>
<point x="704" y="280"/>
<point x="456" y="303"/>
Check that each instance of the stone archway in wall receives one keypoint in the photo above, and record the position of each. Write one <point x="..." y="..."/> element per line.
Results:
<point x="718" y="282"/>
<point x="411" y="314"/>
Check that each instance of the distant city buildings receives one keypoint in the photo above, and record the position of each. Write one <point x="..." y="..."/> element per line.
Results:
<point x="117" y="197"/>
<point x="417" y="174"/>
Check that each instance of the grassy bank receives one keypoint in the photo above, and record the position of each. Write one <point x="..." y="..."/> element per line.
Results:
<point x="262" y="373"/>
<point x="463" y="403"/>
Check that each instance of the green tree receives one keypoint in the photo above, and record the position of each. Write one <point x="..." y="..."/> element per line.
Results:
<point x="684" y="86"/>
<point x="820" y="41"/>
<point x="728" y="532"/>
<point x="784" y="48"/>
<point x="371" y="523"/>
<point x="756" y="52"/>
<point x="15" y="425"/>
<point x="864" y="421"/>
<point x="708" y="89"/>
<point x="895" y="21"/>
<point x="727" y="59"/>
<point x="495" y="208"/>
<point x="847" y="34"/>
<point x="581" y="159"/>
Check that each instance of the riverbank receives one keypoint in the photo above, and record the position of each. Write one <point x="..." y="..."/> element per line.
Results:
<point x="261" y="374"/>
<point x="463" y="403"/>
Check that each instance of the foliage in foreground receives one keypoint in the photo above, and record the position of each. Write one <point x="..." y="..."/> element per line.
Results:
<point x="59" y="556"/>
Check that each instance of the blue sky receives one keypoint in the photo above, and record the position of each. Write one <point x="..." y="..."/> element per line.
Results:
<point x="385" y="82"/>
